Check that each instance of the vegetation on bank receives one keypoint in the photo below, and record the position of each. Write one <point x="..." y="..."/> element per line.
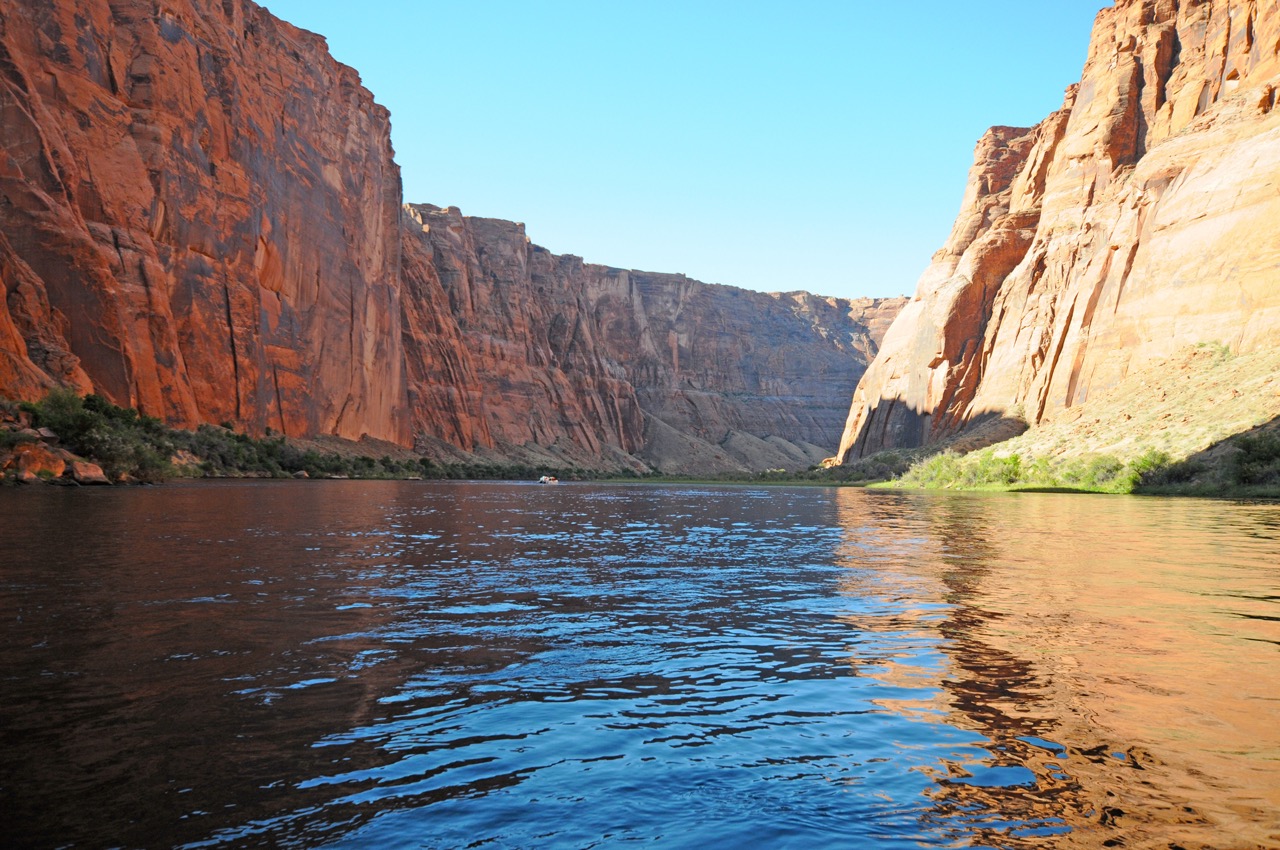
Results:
<point x="136" y="448"/>
<point x="1244" y="466"/>
<point x="988" y="469"/>
<point x="1204" y="421"/>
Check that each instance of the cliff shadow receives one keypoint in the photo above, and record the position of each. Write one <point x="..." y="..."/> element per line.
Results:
<point x="902" y="428"/>
<point x="1245" y="465"/>
<point x="869" y="463"/>
<point x="982" y="431"/>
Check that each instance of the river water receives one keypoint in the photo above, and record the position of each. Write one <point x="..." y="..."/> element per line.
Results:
<point x="448" y="665"/>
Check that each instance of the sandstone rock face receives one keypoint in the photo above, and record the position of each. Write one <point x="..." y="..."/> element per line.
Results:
<point x="1142" y="217"/>
<point x="597" y="362"/>
<point x="200" y="218"/>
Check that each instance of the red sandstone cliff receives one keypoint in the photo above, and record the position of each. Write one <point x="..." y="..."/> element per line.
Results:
<point x="1141" y="218"/>
<point x="200" y="217"/>
<point x="200" y="213"/>
<point x="547" y="352"/>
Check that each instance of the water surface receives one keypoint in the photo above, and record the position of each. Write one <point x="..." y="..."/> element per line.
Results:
<point x="441" y="665"/>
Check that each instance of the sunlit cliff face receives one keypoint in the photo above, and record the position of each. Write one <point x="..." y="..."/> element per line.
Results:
<point x="1122" y="689"/>
<point x="1137" y="220"/>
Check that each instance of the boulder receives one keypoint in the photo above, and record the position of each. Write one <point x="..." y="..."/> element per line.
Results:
<point x="84" y="472"/>
<point x="31" y="461"/>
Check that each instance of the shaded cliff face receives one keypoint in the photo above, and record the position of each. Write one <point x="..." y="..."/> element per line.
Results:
<point x="201" y="218"/>
<point x="600" y="362"/>
<point x="1141" y="218"/>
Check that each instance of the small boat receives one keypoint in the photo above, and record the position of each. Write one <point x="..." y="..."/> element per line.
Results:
<point x="548" y="479"/>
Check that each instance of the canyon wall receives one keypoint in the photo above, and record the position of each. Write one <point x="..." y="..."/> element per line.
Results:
<point x="593" y="362"/>
<point x="200" y="216"/>
<point x="1141" y="218"/>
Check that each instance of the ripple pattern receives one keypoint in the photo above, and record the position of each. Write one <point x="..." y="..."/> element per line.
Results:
<point x="405" y="664"/>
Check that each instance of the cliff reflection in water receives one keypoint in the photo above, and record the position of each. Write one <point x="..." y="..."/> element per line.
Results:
<point x="1119" y="655"/>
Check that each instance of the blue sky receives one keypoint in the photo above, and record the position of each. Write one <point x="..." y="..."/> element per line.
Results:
<point x="808" y="145"/>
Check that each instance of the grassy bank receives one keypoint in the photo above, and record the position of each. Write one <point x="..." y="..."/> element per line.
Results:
<point x="1202" y="422"/>
<point x="990" y="469"/>
<point x="1245" y="466"/>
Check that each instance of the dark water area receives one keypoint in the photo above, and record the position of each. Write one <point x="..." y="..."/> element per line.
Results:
<point x="448" y="665"/>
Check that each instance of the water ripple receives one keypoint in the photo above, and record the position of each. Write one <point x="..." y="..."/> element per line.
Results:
<point x="459" y="665"/>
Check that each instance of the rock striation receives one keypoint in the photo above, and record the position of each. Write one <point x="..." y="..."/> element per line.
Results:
<point x="200" y="216"/>
<point x="512" y="348"/>
<point x="1140" y="218"/>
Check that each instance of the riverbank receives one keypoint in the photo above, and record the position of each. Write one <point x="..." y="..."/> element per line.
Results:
<point x="1203" y="422"/>
<point x="66" y="439"/>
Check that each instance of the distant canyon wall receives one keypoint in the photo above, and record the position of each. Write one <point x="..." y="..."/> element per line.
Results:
<point x="1142" y="217"/>
<point x="200" y="217"/>
<point x="551" y="351"/>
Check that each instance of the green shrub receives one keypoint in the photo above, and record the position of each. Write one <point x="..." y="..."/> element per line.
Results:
<point x="986" y="469"/>
<point x="981" y="470"/>
<point x="1040" y="472"/>
<point x="943" y="470"/>
<point x="9" y="439"/>
<point x="123" y="443"/>
<point x="1181" y="472"/>
<point x="1257" y="459"/>
<point x="1144" y="468"/>
<point x="1219" y="350"/>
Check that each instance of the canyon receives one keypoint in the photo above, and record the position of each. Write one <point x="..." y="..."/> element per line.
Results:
<point x="201" y="218"/>
<point x="554" y="360"/>
<point x="1139" y="221"/>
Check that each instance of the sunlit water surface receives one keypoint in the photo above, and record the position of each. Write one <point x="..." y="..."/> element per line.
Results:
<point x="412" y="664"/>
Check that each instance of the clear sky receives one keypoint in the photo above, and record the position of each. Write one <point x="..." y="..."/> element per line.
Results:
<point x="813" y="144"/>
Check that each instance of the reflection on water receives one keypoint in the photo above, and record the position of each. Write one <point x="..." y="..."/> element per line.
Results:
<point x="1121" y="653"/>
<point x="388" y="664"/>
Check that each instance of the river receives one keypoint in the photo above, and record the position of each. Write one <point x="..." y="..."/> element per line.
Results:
<point x="446" y="665"/>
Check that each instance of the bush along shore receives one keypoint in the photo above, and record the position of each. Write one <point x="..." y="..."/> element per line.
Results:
<point x="67" y="439"/>
<point x="1245" y="466"/>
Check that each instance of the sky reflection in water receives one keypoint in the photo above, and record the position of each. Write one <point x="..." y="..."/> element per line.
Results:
<point x="433" y="665"/>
